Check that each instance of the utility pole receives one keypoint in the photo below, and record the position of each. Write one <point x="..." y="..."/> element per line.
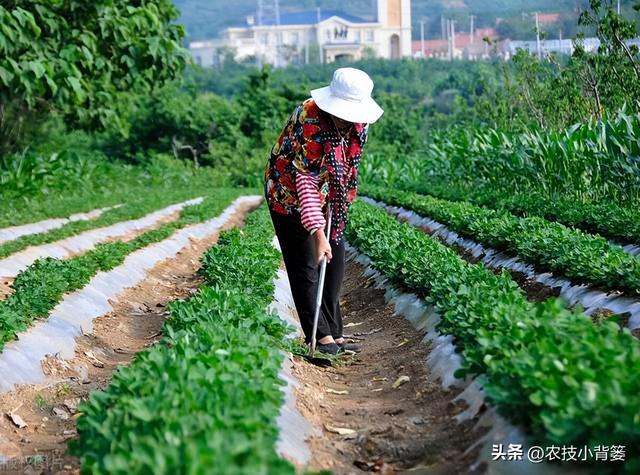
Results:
<point x="442" y="26"/>
<point x="561" y="45"/>
<point x="269" y="14"/>
<point x="319" y="38"/>
<point x="260" y="21"/>
<point x="452" y="38"/>
<point x="276" y="7"/>
<point x="538" y="45"/>
<point x="618" y="7"/>
<point x="472" y="31"/>
<point x="422" y="38"/>
<point x="448" y="39"/>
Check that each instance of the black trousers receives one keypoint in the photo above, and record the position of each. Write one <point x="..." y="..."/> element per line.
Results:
<point x="299" y="252"/>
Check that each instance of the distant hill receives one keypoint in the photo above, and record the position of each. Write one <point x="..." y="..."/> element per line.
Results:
<point x="206" y="18"/>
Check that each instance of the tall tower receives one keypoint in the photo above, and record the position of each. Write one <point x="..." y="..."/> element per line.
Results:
<point x="395" y="37"/>
<point x="268" y="12"/>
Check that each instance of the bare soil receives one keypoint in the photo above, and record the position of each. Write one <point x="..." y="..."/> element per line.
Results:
<point x="6" y="287"/>
<point x="535" y="291"/>
<point x="50" y="410"/>
<point x="407" y="428"/>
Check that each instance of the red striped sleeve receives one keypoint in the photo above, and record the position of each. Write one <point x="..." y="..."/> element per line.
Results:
<point x="310" y="202"/>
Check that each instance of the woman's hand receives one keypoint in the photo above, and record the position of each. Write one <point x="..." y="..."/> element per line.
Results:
<point x="323" y="248"/>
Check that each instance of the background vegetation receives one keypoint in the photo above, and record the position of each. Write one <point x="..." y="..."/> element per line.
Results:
<point x="454" y="121"/>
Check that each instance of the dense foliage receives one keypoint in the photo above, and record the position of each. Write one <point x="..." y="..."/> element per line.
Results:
<point x="596" y="160"/>
<point x="201" y="128"/>
<point x="76" y="56"/>
<point x="560" y="91"/>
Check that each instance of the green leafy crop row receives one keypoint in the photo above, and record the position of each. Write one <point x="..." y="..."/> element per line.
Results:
<point x="152" y="200"/>
<point x="552" y="246"/>
<point x="568" y="380"/>
<point x="205" y="399"/>
<point x="609" y="220"/>
<point x="40" y="287"/>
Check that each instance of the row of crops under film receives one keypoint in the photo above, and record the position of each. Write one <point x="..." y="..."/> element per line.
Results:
<point x="219" y="355"/>
<point x="559" y="387"/>
<point x="528" y="248"/>
<point x="561" y="368"/>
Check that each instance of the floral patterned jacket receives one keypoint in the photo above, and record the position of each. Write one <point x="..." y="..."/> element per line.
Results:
<point x="312" y="163"/>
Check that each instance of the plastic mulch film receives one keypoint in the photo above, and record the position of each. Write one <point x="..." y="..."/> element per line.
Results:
<point x="11" y="266"/>
<point x="590" y="298"/>
<point x="20" y="361"/>
<point x="443" y="360"/>
<point x="15" y="232"/>
<point x="293" y="428"/>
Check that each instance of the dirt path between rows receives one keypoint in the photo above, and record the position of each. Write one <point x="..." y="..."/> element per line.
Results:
<point x="50" y="410"/>
<point x="405" y="429"/>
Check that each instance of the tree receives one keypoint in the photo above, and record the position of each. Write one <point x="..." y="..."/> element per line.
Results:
<point x="75" y="57"/>
<point x="612" y="76"/>
<point x="189" y="124"/>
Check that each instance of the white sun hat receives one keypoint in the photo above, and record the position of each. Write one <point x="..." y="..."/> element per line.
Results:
<point x="348" y="97"/>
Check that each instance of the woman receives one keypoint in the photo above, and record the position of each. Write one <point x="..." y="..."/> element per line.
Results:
<point x="313" y="168"/>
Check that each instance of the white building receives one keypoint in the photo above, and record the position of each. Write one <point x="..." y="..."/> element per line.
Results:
<point x="315" y="36"/>
<point x="547" y="47"/>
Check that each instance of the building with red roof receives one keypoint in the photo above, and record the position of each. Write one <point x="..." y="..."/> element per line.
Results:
<point x="464" y="47"/>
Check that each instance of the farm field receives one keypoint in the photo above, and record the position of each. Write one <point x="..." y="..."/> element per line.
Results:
<point x="552" y="246"/>
<point x="147" y="323"/>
